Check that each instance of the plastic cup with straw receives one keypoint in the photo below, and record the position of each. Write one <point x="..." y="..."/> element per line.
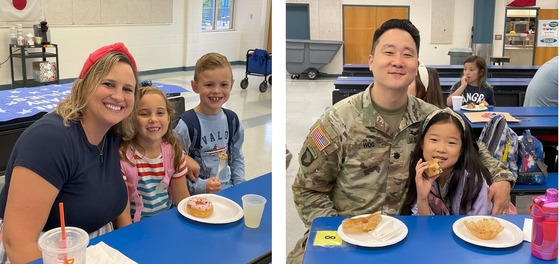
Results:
<point x="64" y="244"/>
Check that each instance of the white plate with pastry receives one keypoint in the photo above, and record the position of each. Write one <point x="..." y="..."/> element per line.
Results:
<point x="510" y="236"/>
<point x="224" y="210"/>
<point x="474" y="107"/>
<point x="388" y="232"/>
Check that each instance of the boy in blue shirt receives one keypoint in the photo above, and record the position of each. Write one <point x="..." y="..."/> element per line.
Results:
<point x="213" y="135"/>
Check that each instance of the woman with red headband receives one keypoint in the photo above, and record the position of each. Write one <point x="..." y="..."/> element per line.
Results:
<point x="71" y="155"/>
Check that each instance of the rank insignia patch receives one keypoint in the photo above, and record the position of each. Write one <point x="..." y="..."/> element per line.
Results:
<point x="319" y="138"/>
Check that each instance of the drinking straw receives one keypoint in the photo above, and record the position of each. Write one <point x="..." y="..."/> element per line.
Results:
<point x="62" y="224"/>
<point x="63" y="230"/>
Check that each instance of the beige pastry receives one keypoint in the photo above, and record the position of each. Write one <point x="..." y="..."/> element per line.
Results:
<point x="485" y="228"/>
<point x="433" y="168"/>
<point x="361" y="224"/>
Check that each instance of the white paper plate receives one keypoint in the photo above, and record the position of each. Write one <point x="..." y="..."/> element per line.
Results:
<point x="367" y="240"/>
<point x="464" y="107"/>
<point x="225" y="210"/>
<point x="509" y="237"/>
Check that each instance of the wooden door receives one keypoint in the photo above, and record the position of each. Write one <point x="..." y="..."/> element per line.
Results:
<point x="360" y="22"/>
<point x="544" y="54"/>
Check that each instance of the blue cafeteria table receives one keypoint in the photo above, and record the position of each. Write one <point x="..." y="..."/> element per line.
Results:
<point x="430" y="239"/>
<point x="172" y="238"/>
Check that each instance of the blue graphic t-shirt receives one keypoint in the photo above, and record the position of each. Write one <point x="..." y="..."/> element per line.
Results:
<point x="473" y="94"/>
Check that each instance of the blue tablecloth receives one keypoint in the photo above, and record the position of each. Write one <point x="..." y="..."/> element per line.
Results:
<point x="25" y="102"/>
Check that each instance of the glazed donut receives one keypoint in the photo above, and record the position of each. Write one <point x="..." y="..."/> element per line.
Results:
<point x="200" y="207"/>
<point x="222" y="155"/>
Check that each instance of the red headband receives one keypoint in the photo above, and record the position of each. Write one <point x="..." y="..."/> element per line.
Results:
<point x="96" y="55"/>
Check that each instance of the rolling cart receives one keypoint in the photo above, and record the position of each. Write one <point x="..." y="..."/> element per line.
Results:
<point x="259" y="63"/>
<point x="308" y="56"/>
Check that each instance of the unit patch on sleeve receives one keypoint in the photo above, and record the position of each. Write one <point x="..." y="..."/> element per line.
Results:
<point x="307" y="157"/>
<point x="319" y="138"/>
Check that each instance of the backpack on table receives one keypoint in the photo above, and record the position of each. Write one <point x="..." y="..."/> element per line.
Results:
<point x="193" y="125"/>
<point x="532" y="169"/>
<point x="501" y="141"/>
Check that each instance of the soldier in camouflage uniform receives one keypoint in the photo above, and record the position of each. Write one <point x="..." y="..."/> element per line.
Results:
<point x="355" y="159"/>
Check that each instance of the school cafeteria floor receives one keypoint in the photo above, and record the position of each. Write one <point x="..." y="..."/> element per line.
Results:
<point x="306" y="100"/>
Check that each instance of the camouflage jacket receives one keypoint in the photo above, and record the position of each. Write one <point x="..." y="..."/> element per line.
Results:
<point x="350" y="164"/>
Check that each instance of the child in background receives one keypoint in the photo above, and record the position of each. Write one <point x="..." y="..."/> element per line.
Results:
<point x="462" y="187"/>
<point x="213" y="81"/>
<point x="153" y="163"/>
<point x="473" y="85"/>
<point x="426" y="86"/>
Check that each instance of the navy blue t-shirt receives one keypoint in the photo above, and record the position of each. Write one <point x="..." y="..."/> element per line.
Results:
<point x="93" y="192"/>
<point x="473" y="94"/>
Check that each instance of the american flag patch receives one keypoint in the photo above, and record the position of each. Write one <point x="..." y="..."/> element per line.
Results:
<point x="319" y="138"/>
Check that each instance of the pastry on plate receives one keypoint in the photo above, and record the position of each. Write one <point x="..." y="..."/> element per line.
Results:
<point x="485" y="228"/>
<point x="361" y="224"/>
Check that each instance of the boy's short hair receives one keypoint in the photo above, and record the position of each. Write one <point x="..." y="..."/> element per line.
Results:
<point x="403" y="24"/>
<point x="211" y="61"/>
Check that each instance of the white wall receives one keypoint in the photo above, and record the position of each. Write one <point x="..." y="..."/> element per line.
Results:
<point x="154" y="46"/>
<point x="251" y="27"/>
<point x="420" y="15"/>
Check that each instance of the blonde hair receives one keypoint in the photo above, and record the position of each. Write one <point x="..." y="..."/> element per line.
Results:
<point x="169" y="136"/>
<point x="71" y="108"/>
<point x="211" y="61"/>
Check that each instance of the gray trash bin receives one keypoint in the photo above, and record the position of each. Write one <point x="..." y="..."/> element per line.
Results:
<point x="309" y="56"/>
<point x="457" y="56"/>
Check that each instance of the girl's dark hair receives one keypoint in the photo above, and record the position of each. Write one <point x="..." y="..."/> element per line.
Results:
<point x="433" y="93"/>
<point x="480" y="63"/>
<point x="468" y="161"/>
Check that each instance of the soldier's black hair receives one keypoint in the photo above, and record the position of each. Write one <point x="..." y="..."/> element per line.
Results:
<point x="403" y="24"/>
<point x="469" y="160"/>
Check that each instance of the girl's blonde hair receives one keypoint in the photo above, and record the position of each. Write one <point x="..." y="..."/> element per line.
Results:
<point x="71" y="108"/>
<point x="168" y="137"/>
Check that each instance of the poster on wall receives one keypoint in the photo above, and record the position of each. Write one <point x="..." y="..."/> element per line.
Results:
<point x="548" y="33"/>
